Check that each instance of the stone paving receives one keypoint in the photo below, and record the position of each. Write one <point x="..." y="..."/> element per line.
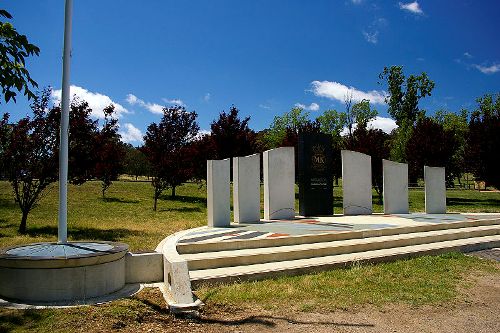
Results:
<point x="324" y="224"/>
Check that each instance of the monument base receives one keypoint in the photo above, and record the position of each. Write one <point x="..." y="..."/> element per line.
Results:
<point x="51" y="272"/>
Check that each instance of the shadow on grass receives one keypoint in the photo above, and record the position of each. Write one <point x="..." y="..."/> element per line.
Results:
<point x="269" y="321"/>
<point x="8" y="203"/>
<point x="112" y="235"/>
<point x="182" y="209"/>
<point x="12" y="320"/>
<point x="119" y="200"/>
<point x="472" y="202"/>
<point x="184" y="198"/>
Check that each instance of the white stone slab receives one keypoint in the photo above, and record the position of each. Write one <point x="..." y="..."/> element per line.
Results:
<point x="279" y="183"/>
<point x="218" y="196"/>
<point x="356" y="183"/>
<point x="395" y="187"/>
<point x="246" y="189"/>
<point x="435" y="190"/>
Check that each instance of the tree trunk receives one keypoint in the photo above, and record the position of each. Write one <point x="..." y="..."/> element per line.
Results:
<point x="24" y="219"/>
<point x="154" y="205"/>
<point x="173" y="191"/>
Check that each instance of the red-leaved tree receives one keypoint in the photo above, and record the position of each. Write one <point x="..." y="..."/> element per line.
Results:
<point x="30" y="156"/>
<point x="166" y="146"/>
<point x="109" y="150"/>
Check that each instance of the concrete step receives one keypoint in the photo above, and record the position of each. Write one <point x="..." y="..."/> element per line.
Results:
<point x="302" y="266"/>
<point x="208" y="246"/>
<point x="209" y="260"/>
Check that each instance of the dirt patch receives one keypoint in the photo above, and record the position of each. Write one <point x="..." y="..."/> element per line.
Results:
<point x="476" y="310"/>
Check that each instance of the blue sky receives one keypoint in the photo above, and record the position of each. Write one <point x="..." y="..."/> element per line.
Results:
<point x="264" y="56"/>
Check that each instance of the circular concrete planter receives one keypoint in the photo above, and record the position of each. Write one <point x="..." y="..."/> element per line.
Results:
<point x="51" y="272"/>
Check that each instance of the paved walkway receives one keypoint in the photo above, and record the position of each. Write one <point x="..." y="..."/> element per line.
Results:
<point x="325" y="224"/>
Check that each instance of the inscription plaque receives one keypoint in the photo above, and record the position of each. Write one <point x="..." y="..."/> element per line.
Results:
<point x="315" y="174"/>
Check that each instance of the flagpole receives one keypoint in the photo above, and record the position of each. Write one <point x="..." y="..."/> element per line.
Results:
<point x="62" y="233"/>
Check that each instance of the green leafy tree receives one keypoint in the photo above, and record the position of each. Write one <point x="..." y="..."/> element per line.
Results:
<point x="14" y="49"/>
<point x="333" y="123"/>
<point x="403" y="99"/>
<point x="290" y="121"/>
<point x="484" y="140"/>
<point x="458" y="126"/>
<point x="135" y="162"/>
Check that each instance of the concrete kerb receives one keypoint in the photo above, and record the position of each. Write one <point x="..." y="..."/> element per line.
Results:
<point x="176" y="288"/>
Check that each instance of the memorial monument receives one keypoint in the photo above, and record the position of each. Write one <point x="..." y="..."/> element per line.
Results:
<point x="315" y="174"/>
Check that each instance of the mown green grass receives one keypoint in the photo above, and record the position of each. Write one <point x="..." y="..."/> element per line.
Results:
<point x="423" y="280"/>
<point x="126" y="213"/>
<point x="430" y="280"/>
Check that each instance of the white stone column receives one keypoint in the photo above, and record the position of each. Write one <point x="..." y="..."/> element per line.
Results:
<point x="435" y="190"/>
<point x="395" y="187"/>
<point x="356" y="183"/>
<point x="279" y="183"/>
<point x="218" y="199"/>
<point x="246" y="188"/>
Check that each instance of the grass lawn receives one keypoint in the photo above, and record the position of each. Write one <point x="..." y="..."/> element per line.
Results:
<point x="126" y="213"/>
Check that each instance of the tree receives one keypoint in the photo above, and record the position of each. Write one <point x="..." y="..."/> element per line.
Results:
<point x="166" y="146"/>
<point x="403" y="98"/>
<point x="14" y="49"/>
<point x="373" y="142"/>
<point x="430" y="145"/>
<point x="135" y="162"/>
<point x="31" y="157"/>
<point x="359" y="115"/>
<point x="292" y="121"/>
<point x="231" y="135"/>
<point x="456" y="125"/>
<point x="484" y="140"/>
<point x="5" y="129"/>
<point x="83" y="132"/>
<point x="333" y="122"/>
<point x="201" y="149"/>
<point x="110" y="153"/>
<point x="31" y="150"/>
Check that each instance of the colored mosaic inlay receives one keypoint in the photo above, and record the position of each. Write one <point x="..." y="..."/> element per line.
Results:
<point x="327" y="224"/>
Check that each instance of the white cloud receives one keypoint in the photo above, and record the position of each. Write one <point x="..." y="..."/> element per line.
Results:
<point x="132" y="99"/>
<point x="207" y="97"/>
<point x="201" y="133"/>
<point x="264" y="106"/>
<point x="311" y="107"/>
<point x="356" y="2"/>
<point x="385" y="124"/>
<point x="97" y="102"/>
<point x="488" y="69"/>
<point x="468" y="55"/>
<point x="174" y="101"/>
<point x="130" y="134"/>
<point x="338" y="91"/>
<point x="412" y="7"/>
<point x="371" y="37"/>
<point x="152" y="107"/>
